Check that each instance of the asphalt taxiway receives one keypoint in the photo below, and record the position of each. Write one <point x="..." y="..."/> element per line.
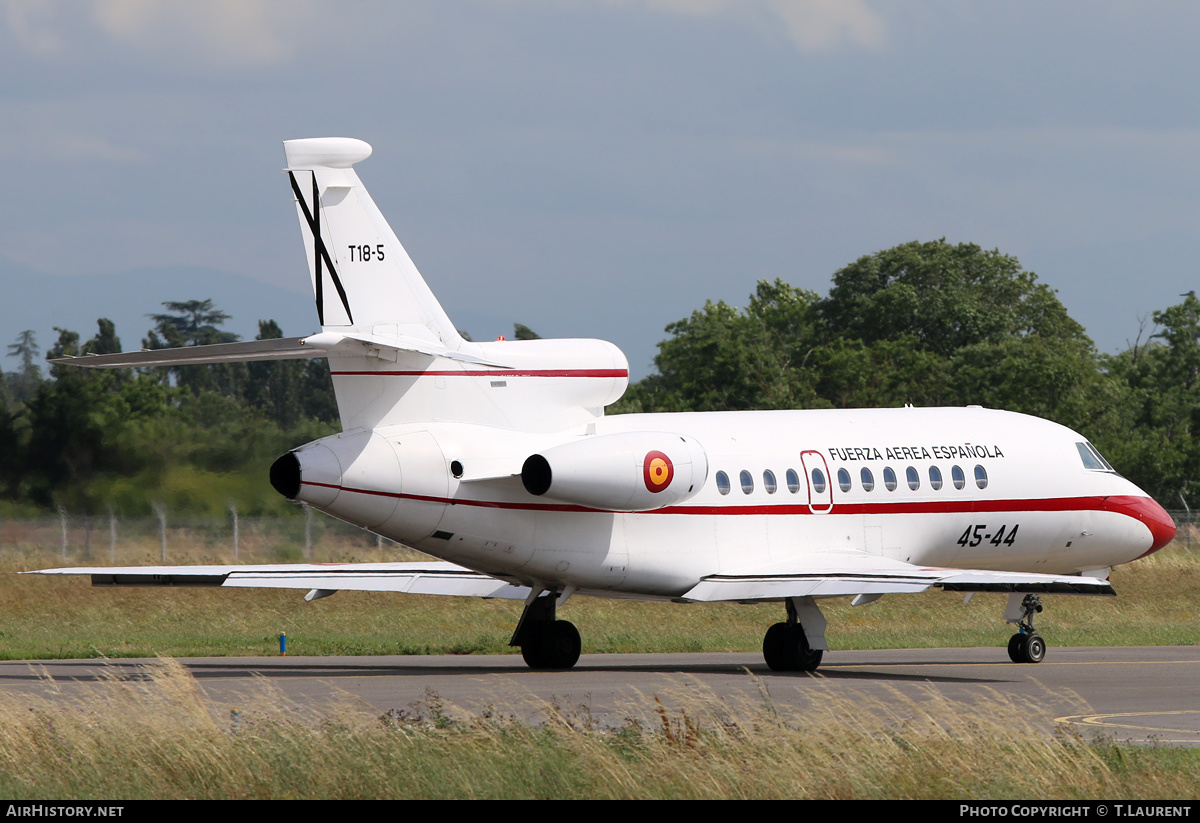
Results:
<point x="1149" y="693"/>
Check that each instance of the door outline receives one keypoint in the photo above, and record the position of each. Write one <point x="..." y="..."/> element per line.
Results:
<point x="823" y="503"/>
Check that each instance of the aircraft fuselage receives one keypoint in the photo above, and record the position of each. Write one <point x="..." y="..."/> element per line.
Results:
<point x="956" y="487"/>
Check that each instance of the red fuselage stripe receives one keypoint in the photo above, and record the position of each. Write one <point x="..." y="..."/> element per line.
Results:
<point x="1128" y="505"/>
<point x="492" y="373"/>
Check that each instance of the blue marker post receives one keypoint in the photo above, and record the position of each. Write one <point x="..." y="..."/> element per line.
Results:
<point x="283" y="644"/>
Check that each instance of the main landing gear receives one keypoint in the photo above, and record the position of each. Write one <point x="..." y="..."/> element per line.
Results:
<point x="546" y="643"/>
<point x="1026" y="646"/>
<point x="798" y="644"/>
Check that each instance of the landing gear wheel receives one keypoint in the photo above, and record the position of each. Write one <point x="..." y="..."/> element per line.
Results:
<point x="775" y="649"/>
<point x="1033" y="650"/>
<point x="1027" y="646"/>
<point x="810" y="659"/>
<point x="552" y="646"/>
<point x="785" y="648"/>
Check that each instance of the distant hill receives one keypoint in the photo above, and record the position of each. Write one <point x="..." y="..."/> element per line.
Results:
<point x="41" y="302"/>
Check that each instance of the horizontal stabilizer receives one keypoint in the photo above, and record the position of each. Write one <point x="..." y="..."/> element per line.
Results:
<point x="434" y="577"/>
<point x="287" y="348"/>
<point x="833" y="574"/>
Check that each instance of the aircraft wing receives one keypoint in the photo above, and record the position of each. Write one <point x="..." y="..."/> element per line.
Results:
<point x="434" y="577"/>
<point x="839" y="573"/>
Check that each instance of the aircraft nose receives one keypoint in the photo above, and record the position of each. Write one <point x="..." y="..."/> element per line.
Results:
<point x="1161" y="526"/>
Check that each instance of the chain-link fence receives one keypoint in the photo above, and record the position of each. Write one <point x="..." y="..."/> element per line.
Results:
<point x="1188" y="525"/>
<point x="306" y="536"/>
<point x="114" y="539"/>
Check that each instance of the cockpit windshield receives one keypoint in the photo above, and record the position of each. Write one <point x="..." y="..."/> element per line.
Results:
<point x="1092" y="459"/>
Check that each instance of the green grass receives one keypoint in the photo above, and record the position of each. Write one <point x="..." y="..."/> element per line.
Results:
<point x="47" y="618"/>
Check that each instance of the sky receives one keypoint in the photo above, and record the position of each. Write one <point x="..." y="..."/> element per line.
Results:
<point x="598" y="168"/>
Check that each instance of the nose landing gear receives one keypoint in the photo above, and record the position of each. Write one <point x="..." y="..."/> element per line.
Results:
<point x="1027" y="646"/>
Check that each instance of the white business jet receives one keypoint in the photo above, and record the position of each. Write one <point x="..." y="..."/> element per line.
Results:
<point x="497" y="457"/>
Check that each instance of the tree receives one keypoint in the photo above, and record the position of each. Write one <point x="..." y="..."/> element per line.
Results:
<point x="945" y="298"/>
<point x="23" y="384"/>
<point x="68" y="441"/>
<point x="274" y="386"/>
<point x="191" y="323"/>
<point x="723" y="358"/>
<point x="922" y="323"/>
<point x="194" y="323"/>
<point x="1156" y="439"/>
<point x="852" y="374"/>
<point x="105" y="341"/>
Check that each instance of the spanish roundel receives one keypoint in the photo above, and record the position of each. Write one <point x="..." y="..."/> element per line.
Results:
<point x="657" y="471"/>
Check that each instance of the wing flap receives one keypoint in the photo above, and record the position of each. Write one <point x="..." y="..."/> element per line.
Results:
<point x="833" y="574"/>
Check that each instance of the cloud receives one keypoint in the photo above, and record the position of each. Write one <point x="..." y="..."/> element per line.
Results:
<point x="241" y="33"/>
<point x="826" y="25"/>
<point x="30" y="23"/>
<point x="812" y="25"/>
<point x="226" y="33"/>
<point x="238" y="31"/>
<point x="68" y="148"/>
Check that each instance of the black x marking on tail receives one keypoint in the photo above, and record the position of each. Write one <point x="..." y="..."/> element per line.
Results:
<point x="320" y="253"/>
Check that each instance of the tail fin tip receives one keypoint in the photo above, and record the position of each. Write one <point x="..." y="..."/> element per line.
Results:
<point x="325" y="152"/>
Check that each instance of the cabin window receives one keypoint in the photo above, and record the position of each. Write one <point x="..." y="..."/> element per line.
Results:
<point x="722" y="482"/>
<point x="959" y="478"/>
<point x="844" y="480"/>
<point x="868" y="479"/>
<point x="818" y="478"/>
<point x="981" y="477"/>
<point x="793" y="481"/>
<point x="747" y="482"/>
<point x="914" y="479"/>
<point x="889" y="479"/>
<point x="769" y="481"/>
<point x="935" y="478"/>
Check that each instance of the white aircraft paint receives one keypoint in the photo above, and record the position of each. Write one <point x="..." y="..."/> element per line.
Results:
<point x="498" y="458"/>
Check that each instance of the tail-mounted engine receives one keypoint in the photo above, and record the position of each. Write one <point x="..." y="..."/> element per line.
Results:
<point x="396" y="484"/>
<point x="632" y="472"/>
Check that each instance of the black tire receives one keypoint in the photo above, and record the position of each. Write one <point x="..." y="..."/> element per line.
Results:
<point x="553" y="646"/>
<point x="810" y="659"/>
<point x="532" y="648"/>
<point x="563" y="645"/>
<point x="785" y="648"/>
<point x="1015" y="654"/>
<point x="1034" y="649"/>
<point x="775" y="649"/>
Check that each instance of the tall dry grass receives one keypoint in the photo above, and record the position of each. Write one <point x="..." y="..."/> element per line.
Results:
<point x="159" y="736"/>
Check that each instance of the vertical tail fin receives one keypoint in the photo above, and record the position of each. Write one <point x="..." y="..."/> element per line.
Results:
<point x="363" y="279"/>
<point x="393" y="353"/>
